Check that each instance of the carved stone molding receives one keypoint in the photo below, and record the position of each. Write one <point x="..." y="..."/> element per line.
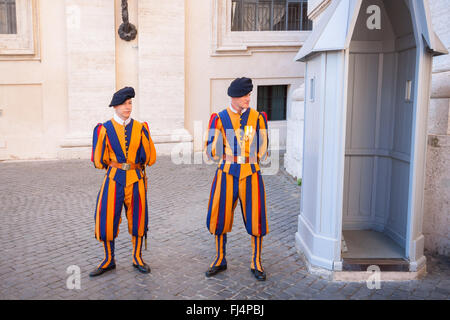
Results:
<point x="24" y="42"/>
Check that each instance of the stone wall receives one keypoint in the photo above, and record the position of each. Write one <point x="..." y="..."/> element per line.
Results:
<point x="91" y="72"/>
<point x="436" y="224"/>
<point x="294" y="140"/>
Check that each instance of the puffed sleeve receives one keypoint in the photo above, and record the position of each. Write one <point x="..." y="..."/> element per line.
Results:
<point x="100" y="151"/>
<point x="148" y="156"/>
<point x="214" y="142"/>
<point x="263" y="136"/>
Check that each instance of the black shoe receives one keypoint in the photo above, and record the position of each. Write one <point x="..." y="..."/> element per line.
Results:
<point x="100" y="271"/>
<point x="259" y="275"/>
<point x="215" y="270"/>
<point x="143" y="269"/>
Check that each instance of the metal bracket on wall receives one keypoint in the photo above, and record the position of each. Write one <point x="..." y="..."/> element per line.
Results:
<point x="127" y="31"/>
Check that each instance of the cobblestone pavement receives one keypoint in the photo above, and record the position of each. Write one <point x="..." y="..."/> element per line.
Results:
<point x="46" y="225"/>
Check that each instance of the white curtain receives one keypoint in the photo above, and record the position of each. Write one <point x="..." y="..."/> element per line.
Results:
<point x="264" y="15"/>
<point x="265" y="18"/>
<point x="279" y="15"/>
<point x="249" y="12"/>
<point x="264" y="12"/>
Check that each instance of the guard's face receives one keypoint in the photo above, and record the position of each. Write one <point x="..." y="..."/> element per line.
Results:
<point x="242" y="103"/>
<point x="124" y="110"/>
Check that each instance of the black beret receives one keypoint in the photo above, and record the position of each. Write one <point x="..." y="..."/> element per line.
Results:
<point x="240" y="87"/>
<point x="121" y="96"/>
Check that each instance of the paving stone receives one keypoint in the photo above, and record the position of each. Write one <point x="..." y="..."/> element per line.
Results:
<point x="47" y="225"/>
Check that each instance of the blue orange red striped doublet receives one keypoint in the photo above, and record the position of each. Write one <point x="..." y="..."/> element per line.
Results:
<point x="122" y="188"/>
<point x="237" y="135"/>
<point x="114" y="142"/>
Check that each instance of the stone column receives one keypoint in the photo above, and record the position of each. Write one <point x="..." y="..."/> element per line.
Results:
<point x="161" y="72"/>
<point x="294" y="139"/>
<point x="91" y="73"/>
<point x="436" y="224"/>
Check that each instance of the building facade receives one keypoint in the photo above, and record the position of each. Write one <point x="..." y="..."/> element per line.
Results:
<point x="61" y="61"/>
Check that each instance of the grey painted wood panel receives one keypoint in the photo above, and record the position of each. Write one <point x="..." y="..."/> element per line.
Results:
<point x="364" y="101"/>
<point x="312" y="141"/>
<point x="378" y="142"/>
<point x="404" y="109"/>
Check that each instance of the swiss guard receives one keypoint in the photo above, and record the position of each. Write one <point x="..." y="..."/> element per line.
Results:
<point x="238" y="140"/>
<point x="123" y="147"/>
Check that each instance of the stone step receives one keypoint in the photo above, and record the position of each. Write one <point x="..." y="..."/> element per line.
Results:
<point x="384" y="264"/>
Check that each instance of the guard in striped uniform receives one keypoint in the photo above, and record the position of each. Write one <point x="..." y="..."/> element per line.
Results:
<point x="123" y="147"/>
<point x="237" y="138"/>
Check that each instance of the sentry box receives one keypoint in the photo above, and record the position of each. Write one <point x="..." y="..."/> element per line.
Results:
<point x="367" y="88"/>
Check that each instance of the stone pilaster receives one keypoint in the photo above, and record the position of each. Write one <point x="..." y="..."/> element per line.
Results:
<point x="294" y="138"/>
<point x="162" y="71"/>
<point x="436" y="224"/>
<point x="90" y="41"/>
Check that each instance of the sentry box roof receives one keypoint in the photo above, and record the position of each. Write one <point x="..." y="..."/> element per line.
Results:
<point x="335" y="28"/>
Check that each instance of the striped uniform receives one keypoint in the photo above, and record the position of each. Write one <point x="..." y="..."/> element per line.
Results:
<point x="114" y="142"/>
<point x="232" y="140"/>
